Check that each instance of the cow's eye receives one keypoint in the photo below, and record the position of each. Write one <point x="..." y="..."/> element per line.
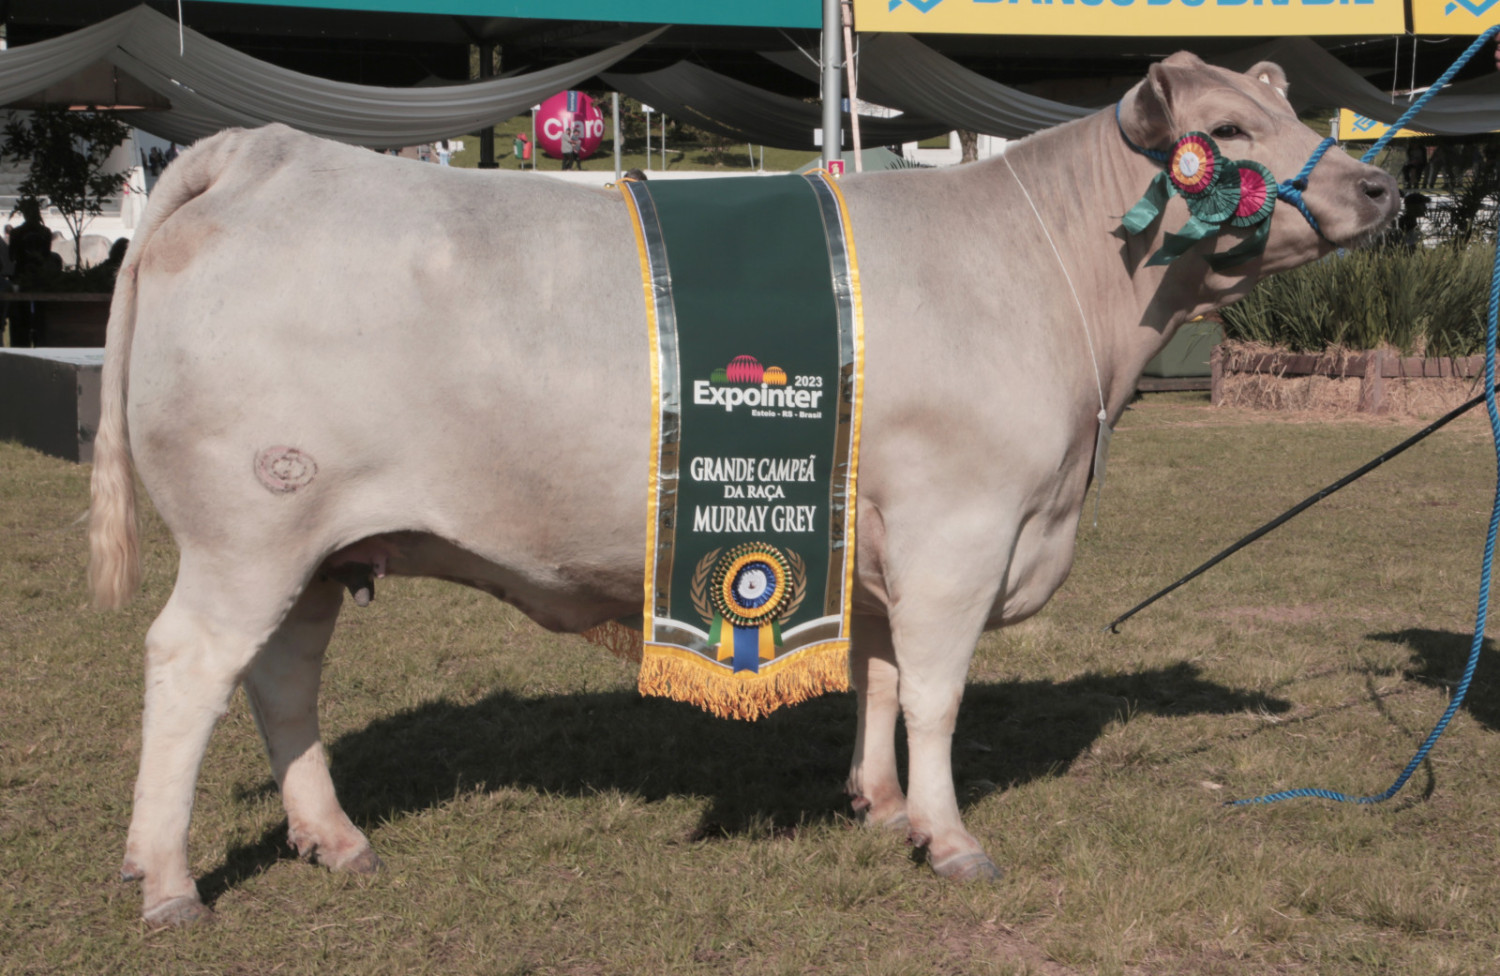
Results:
<point x="1228" y="131"/>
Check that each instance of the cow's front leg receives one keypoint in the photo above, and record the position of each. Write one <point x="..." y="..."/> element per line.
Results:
<point x="935" y="622"/>
<point x="282" y="688"/>
<point x="874" y="786"/>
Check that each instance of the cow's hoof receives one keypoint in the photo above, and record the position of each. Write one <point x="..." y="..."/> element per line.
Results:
<point x="365" y="862"/>
<point x="975" y="866"/>
<point x="897" y="821"/>
<point x="362" y="860"/>
<point x="174" y="912"/>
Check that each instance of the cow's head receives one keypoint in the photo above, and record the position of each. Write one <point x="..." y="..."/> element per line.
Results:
<point x="1249" y="118"/>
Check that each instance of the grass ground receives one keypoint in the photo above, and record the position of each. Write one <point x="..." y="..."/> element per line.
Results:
<point x="536" y="816"/>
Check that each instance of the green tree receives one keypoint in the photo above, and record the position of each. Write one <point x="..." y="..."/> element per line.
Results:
<point x="67" y="151"/>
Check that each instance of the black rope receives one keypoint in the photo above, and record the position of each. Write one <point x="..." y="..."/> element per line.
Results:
<point x="1308" y="502"/>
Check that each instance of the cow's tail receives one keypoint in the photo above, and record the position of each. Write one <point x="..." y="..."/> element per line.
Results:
<point x="114" y="533"/>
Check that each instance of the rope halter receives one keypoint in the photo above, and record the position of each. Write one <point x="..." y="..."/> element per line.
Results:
<point x="1219" y="192"/>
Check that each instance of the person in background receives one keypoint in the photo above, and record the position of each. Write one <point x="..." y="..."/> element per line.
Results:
<point x="117" y="253"/>
<point x="523" y="150"/>
<point x="569" y="149"/>
<point x="444" y="153"/>
<point x="1416" y="164"/>
<point x="1407" y="233"/>
<point x="31" y="253"/>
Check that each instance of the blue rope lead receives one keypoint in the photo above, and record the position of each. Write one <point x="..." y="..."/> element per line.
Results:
<point x="1291" y="190"/>
<point x="1482" y="613"/>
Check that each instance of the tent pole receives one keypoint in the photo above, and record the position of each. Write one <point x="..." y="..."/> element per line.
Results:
<point x="847" y="7"/>
<point x="487" y="135"/>
<point x="832" y="136"/>
<point x="615" y="97"/>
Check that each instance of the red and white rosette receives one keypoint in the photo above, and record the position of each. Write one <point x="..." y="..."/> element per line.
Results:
<point x="1194" y="164"/>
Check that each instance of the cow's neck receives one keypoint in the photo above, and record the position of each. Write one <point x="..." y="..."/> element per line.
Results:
<point x="1081" y="178"/>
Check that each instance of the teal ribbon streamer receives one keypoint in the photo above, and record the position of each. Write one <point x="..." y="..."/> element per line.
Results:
<point x="1176" y="245"/>
<point x="1150" y="206"/>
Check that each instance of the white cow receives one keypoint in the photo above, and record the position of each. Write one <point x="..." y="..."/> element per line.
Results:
<point x="308" y="361"/>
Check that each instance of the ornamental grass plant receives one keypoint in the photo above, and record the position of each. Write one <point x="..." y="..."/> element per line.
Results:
<point x="1425" y="302"/>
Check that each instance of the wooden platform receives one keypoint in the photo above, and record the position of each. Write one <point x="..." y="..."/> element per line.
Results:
<point x="49" y="400"/>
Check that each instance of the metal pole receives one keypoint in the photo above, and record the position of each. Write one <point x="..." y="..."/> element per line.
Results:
<point x="615" y="97"/>
<point x="536" y="151"/>
<point x="832" y="135"/>
<point x="1300" y="507"/>
<point x="664" y="142"/>
<point x="848" y="18"/>
<point x="487" y="137"/>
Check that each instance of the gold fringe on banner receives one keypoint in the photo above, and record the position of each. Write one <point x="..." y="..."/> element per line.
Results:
<point x="682" y="676"/>
<point x="616" y="638"/>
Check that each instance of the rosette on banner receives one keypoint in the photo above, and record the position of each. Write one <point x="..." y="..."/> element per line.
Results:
<point x="752" y="296"/>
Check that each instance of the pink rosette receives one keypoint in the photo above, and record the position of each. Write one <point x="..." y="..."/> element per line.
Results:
<point x="1257" y="194"/>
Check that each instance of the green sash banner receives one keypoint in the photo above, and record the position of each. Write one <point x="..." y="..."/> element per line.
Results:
<point x="752" y="293"/>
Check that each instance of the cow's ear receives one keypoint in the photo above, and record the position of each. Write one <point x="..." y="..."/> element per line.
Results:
<point x="1270" y="73"/>
<point x="1147" y="113"/>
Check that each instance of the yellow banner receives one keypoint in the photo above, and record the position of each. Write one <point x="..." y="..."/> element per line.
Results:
<point x="1453" y="16"/>
<point x="1143" y="18"/>
<point x="1361" y="127"/>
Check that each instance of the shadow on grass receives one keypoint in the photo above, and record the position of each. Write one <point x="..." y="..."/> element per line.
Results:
<point x="771" y="775"/>
<point x="1438" y="658"/>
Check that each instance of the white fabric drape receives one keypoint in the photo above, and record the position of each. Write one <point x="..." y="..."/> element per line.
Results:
<point x="1318" y="79"/>
<point x="32" y="67"/>
<point x="732" y="108"/>
<point x="212" y="86"/>
<point x="902" y="72"/>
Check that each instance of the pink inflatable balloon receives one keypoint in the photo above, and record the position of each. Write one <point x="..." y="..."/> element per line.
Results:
<point x="564" y="110"/>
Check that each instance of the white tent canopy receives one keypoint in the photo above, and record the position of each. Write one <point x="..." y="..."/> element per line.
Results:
<point x="732" y="108"/>
<point x="212" y="86"/>
<point x="900" y="71"/>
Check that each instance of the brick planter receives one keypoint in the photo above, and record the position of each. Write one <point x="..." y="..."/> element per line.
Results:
<point x="1377" y="382"/>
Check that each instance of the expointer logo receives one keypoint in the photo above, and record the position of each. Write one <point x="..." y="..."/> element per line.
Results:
<point x="767" y="389"/>
<point x="925" y="5"/>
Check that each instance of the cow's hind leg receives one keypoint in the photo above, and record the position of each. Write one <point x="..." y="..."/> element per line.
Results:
<point x="282" y="688"/>
<point x="221" y="613"/>
<point x="874" y="785"/>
